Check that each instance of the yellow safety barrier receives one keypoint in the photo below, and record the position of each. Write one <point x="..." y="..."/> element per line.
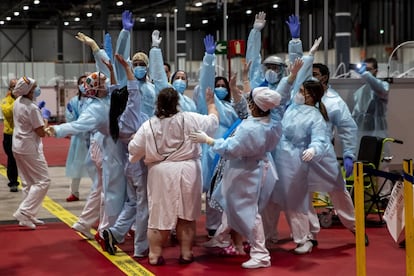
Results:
<point x="359" y="219"/>
<point x="409" y="220"/>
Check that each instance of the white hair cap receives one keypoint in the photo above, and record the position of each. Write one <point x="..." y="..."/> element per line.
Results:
<point x="265" y="98"/>
<point x="23" y="86"/>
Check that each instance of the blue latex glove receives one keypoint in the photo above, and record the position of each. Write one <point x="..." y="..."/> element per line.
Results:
<point x="209" y="44"/>
<point x="294" y="26"/>
<point x="361" y="69"/>
<point x="127" y="21"/>
<point x="46" y="113"/>
<point x="69" y="107"/>
<point x="349" y="166"/>
<point x="108" y="45"/>
<point x="41" y="104"/>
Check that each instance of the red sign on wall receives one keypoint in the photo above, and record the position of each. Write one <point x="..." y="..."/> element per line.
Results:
<point x="236" y="48"/>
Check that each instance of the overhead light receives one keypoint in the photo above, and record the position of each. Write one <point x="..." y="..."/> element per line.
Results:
<point x="204" y="21"/>
<point x="275" y="6"/>
<point x="77" y="19"/>
<point x="198" y="4"/>
<point x="25" y="8"/>
<point x="66" y="23"/>
<point x="16" y="13"/>
<point x="119" y="3"/>
<point x="158" y="15"/>
<point x="8" y="18"/>
<point x="89" y="14"/>
<point x="188" y="25"/>
<point x="142" y="19"/>
<point x="1" y="22"/>
<point x="382" y="31"/>
<point x="36" y="2"/>
<point x="248" y="11"/>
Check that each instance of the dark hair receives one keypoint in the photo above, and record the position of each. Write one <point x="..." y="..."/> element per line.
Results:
<point x="168" y="66"/>
<point x="315" y="90"/>
<point x="119" y="98"/>
<point x="79" y="82"/>
<point x="323" y="69"/>
<point x="175" y="73"/>
<point x="167" y="103"/>
<point x="373" y="61"/>
<point x="226" y="83"/>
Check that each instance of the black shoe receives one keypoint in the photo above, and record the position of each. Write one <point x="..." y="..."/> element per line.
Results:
<point x="211" y="233"/>
<point x="14" y="189"/>
<point x="183" y="261"/>
<point x="314" y="242"/>
<point x="109" y="241"/>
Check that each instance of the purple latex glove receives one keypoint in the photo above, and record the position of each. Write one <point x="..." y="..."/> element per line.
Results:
<point x="294" y="26"/>
<point x="46" y="113"/>
<point x="127" y="21"/>
<point x="69" y="107"/>
<point x="41" y="104"/>
<point x="349" y="166"/>
<point x="209" y="44"/>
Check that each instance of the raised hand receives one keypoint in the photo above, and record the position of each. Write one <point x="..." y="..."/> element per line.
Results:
<point x="127" y="20"/>
<point x="315" y="46"/>
<point x="260" y="21"/>
<point x="209" y="44"/>
<point x="156" y="39"/>
<point x="294" y="26"/>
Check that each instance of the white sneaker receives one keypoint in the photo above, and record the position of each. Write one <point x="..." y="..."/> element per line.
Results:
<point x="82" y="229"/>
<point x="253" y="263"/>
<point x="216" y="243"/>
<point x="23" y="220"/>
<point x="37" y="221"/>
<point x="304" y="248"/>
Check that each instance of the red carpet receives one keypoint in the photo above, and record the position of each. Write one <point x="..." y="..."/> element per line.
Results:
<point x="51" y="249"/>
<point x="55" y="150"/>
<point x="55" y="249"/>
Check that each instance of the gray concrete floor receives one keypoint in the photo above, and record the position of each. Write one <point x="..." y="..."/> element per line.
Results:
<point x="58" y="192"/>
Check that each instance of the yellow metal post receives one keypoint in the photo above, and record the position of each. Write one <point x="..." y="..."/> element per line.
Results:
<point x="409" y="219"/>
<point x="359" y="219"/>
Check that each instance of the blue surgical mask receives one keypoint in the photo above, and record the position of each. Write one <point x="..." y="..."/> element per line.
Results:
<point x="140" y="72"/>
<point x="221" y="92"/>
<point x="82" y="89"/>
<point x="272" y="77"/>
<point x="180" y="86"/>
<point x="37" y="92"/>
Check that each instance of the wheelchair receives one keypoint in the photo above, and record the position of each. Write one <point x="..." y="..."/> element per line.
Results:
<point x="375" y="180"/>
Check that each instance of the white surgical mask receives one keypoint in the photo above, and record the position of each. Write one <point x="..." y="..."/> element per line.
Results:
<point x="272" y="77"/>
<point x="299" y="98"/>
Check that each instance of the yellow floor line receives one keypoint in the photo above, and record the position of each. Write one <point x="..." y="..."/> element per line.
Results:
<point x="121" y="260"/>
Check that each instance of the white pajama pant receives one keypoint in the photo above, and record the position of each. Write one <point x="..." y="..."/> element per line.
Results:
<point x="33" y="171"/>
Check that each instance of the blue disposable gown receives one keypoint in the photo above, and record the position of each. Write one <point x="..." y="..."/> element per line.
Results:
<point x="159" y="77"/>
<point x="303" y="128"/>
<point x="249" y="173"/>
<point x="227" y="115"/>
<point x="370" y="109"/>
<point x="78" y="148"/>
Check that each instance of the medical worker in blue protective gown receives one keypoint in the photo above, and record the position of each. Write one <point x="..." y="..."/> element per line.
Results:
<point x="179" y="80"/>
<point x="125" y="119"/>
<point x="249" y="174"/>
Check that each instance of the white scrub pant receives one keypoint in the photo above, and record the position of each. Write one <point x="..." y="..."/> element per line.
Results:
<point x="33" y="171"/>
